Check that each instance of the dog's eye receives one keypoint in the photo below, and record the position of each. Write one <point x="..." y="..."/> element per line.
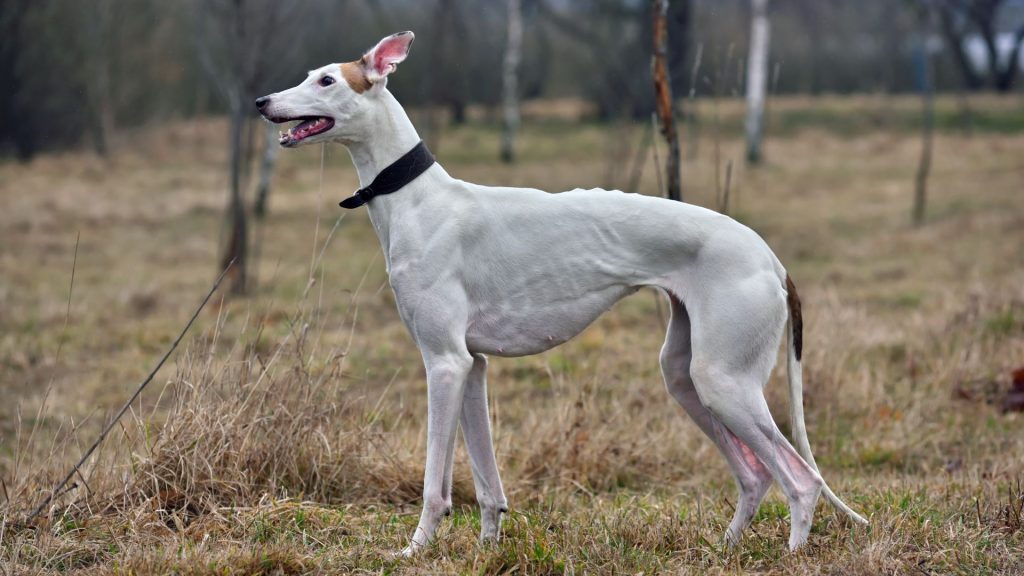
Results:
<point x="327" y="81"/>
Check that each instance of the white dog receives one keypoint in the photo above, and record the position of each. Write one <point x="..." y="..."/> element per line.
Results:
<point x="481" y="271"/>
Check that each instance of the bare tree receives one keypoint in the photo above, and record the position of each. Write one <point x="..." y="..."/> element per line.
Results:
<point x="757" y="78"/>
<point x="510" y="83"/>
<point x="663" y="99"/>
<point x="270" y="150"/>
<point x="959" y="18"/>
<point x="235" y="40"/>
<point x="100" y="38"/>
<point x="924" y="165"/>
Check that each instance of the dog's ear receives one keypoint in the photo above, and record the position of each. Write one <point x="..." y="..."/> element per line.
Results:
<point x="383" y="59"/>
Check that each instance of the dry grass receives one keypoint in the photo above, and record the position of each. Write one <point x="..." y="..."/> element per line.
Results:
<point x="288" y="438"/>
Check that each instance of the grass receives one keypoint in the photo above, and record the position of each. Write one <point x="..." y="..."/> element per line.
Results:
<point x="289" y="435"/>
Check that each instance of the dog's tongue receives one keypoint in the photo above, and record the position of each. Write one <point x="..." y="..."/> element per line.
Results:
<point x="306" y="128"/>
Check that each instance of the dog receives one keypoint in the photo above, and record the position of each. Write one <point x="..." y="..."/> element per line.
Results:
<point x="482" y="271"/>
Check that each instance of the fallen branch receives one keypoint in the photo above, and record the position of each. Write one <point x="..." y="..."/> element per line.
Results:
<point x="121" y="412"/>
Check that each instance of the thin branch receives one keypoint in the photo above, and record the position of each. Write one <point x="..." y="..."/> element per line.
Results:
<point x="134" y="395"/>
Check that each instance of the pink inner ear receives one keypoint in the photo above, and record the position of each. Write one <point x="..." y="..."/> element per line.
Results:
<point x="390" y="51"/>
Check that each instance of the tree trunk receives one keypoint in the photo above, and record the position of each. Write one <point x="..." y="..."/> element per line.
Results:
<point x="238" y="238"/>
<point x="663" y="96"/>
<point x="102" y="124"/>
<point x="928" y="124"/>
<point x="988" y="35"/>
<point x="1006" y="76"/>
<point x="757" y="78"/>
<point x="270" y="150"/>
<point x="510" y="81"/>
<point x="955" y="38"/>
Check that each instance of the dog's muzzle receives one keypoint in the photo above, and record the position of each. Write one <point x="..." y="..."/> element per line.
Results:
<point x="307" y="127"/>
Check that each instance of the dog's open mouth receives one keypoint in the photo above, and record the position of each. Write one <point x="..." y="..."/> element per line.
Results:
<point x="306" y="128"/>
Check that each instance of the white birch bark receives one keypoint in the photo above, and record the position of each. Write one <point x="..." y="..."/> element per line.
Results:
<point x="757" y="77"/>
<point x="510" y="80"/>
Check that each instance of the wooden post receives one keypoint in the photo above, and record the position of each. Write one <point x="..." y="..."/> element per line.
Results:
<point x="663" y="97"/>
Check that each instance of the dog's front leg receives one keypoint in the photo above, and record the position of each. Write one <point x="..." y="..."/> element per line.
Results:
<point x="476" y="429"/>
<point x="446" y="379"/>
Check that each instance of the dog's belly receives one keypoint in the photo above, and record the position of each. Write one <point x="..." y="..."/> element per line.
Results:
<point x="532" y="325"/>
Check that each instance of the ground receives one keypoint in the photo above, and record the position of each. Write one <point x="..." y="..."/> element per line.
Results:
<point x="287" y="434"/>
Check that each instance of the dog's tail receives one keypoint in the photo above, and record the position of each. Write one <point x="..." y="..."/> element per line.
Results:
<point x="796" y="394"/>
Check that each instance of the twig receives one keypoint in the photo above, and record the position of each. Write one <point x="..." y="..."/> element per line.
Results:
<point x="56" y="361"/>
<point x="71" y="289"/>
<point x="134" y="395"/>
<point x="319" y="203"/>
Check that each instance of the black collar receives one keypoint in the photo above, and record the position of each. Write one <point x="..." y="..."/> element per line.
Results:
<point x="394" y="177"/>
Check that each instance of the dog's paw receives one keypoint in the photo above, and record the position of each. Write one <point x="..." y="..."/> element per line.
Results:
<point x="407" y="552"/>
<point x="731" y="539"/>
<point x="490" y="524"/>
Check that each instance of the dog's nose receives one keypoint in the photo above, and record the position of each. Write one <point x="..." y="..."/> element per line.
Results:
<point x="262" y="102"/>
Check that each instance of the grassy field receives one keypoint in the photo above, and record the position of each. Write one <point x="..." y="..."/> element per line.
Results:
<point x="287" y="436"/>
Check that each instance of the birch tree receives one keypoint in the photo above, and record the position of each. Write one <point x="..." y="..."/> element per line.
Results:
<point x="510" y="80"/>
<point x="757" y="78"/>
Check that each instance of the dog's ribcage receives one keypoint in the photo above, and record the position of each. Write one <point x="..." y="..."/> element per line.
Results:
<point x="536" y="268"/>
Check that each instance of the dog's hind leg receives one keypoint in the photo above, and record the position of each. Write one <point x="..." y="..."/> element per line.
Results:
<point x="476" y="430"/>
<point x="736" y="334"/>
<point x="752" y="477"/>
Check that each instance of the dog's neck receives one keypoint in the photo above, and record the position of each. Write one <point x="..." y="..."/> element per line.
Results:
<point x="390" y="134"/>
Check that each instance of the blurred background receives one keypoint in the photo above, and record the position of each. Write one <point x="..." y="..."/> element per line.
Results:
<point x="876" y="145"/>
<point x="83" y="75"/>
<point x="74" y="73"/>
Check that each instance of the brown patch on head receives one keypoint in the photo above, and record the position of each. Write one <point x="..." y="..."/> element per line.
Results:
<point x="354" y="74"/>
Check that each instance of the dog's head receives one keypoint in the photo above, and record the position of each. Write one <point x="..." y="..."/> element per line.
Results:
<point x="330" y="104"/>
